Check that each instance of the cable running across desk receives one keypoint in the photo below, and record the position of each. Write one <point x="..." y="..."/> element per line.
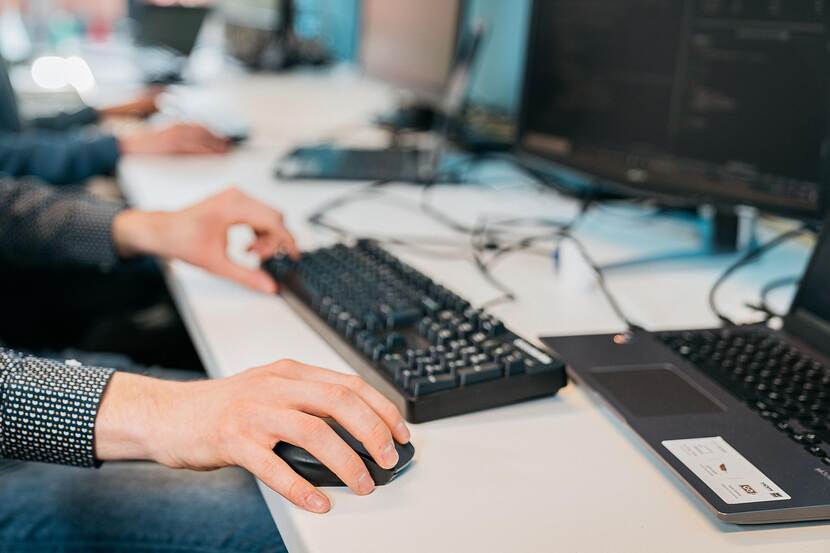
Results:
<point x="484" y="238"/>
<point x="752" y="255"/>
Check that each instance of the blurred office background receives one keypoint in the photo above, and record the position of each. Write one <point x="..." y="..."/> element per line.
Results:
<point x="30" y="29"/>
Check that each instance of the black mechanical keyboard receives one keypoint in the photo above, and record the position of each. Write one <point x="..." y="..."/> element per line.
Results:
<point x="419" y="343"/>
<point x="776" y="379"/>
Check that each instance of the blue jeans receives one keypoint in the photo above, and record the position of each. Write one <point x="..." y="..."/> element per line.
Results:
<point x="132" y="507"/>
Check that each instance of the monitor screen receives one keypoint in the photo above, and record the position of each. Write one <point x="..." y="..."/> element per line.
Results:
<point x="716" y="101"/>
<point x="175" y="27"/>
<point x="410" y="43"/>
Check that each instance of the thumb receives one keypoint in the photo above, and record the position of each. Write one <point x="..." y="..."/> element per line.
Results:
<point x="252" y="278"/>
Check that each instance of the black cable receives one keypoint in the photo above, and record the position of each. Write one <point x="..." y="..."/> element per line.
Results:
<point x="603" y="283"/>
<point x="750" y="256"/>
<point x="763" y="302"/>
<point x="428" y="209"/>
<point x="317" y="217"/>
<point x="482" y="241"/>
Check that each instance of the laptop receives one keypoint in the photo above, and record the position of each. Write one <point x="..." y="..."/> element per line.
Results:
<point x="740" y="415"/>
<point x="392" y="164"/>
<point x="165" y="36"/>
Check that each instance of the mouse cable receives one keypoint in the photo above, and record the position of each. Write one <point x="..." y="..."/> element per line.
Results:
<point x="750" y="256"/>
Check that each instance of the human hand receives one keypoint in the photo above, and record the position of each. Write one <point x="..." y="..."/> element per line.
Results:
<point x="142" y="106"/>
<point x="239" y="420"/>
<point x="199" y="235"/>
<point x="177" y="139"/>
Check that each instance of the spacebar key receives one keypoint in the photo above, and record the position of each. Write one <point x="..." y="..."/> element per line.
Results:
<point x="480" y="373"/>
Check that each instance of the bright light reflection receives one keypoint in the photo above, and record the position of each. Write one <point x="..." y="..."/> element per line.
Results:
<point x="55" y="72"/>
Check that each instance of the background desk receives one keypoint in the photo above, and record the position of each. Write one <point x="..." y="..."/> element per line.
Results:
<point x="556" y="474"/>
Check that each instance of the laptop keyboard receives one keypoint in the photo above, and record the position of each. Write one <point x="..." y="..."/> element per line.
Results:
<point x="777" y="380"/>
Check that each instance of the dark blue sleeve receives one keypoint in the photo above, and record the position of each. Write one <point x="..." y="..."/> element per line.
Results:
<point x="67" y="120"/>
<point x="58" y="157"/>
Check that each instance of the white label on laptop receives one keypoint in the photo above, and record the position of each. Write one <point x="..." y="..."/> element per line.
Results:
<point x="725" y="471"/>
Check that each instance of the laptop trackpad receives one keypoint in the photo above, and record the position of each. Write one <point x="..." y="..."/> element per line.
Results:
<point x="653" y="391"/>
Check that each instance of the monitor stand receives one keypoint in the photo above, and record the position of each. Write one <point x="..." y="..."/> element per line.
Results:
<point x="722" y="232"/>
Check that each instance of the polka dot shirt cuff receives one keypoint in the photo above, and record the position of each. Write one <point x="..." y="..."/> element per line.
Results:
<point x="48" y="409"/>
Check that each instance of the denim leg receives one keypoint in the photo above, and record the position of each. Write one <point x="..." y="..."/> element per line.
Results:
<point x="132" y="507"/>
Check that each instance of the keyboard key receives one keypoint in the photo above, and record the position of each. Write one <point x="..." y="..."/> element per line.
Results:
<point x="480" y="373"/>
<point x="492" y="326"/>
<point x="535" y="367"/>
<point x="432" y="383"/>
<point x="817" y="451"/>
<point x="513" y="365"/>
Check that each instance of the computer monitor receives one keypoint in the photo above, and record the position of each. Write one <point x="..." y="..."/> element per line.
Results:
<point x="702" y="101"/>
<point x="410" y="43"/>
<point x="174" y="27"/>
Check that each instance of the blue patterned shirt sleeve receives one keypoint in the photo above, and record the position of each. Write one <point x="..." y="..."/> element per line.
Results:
<point x="48" y="409"/>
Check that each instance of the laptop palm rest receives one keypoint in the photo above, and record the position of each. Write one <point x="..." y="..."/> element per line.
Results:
<point x="653" y="391"/>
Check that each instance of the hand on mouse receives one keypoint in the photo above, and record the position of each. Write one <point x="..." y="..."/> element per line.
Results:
<point x="237" y="421"/>
<point x="199" y="235"/>
<point x="178" y="139"/>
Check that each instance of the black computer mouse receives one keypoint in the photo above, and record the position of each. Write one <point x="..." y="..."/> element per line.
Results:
<point x="318" y="474"/>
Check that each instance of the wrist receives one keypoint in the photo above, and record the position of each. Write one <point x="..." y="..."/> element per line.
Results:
<point x="104" y="113"/>
<point x="139" y="232"/>
<point x="130" y="144"/>
<point x="126" y="427"/>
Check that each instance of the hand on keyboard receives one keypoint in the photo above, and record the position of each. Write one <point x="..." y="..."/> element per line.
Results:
<point x="199" y="235"/>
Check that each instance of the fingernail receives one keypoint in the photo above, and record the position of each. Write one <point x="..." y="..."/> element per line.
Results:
<point x="403" y="431"/>
<point x="389" y="455"/>
<point x="316" y="502"/>
<point x="365" y="485"/>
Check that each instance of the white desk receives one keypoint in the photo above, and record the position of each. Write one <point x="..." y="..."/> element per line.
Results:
<point x="550" y="475"/>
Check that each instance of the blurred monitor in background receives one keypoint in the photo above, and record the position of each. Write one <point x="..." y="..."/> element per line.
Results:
<point x="263" y="35"/>
<point x="251" y="26"/>
<point x="497" y="81"/>
<point x="410" y="44"/>
<point x="173" y="27"/>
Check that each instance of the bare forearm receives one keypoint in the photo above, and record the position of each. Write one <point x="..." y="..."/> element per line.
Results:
<point x="124" y="425"/>
<point x="142" y="232"/>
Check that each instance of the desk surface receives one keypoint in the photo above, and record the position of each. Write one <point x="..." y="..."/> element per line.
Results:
<point x="556" y="474"/>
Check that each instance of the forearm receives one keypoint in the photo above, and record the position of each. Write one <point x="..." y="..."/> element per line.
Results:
<point x="144" y="418"/>
<point x="123" y="429"/>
